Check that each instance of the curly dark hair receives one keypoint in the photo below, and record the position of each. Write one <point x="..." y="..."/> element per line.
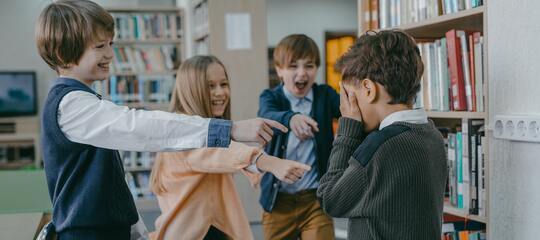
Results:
<point x="390" y="58"/>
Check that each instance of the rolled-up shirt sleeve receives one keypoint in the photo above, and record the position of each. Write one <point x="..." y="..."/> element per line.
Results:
<point x="219" y="133"/>
<point x="86" y="119"/>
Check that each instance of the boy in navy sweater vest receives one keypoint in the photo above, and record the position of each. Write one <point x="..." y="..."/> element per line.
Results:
<point x="80" y="130"/>
<point x="387" y="170"/>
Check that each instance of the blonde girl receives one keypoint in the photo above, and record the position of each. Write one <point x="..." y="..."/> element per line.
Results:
<point x="195" y="188"/>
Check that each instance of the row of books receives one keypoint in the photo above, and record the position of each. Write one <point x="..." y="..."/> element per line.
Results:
<point x="452" y="6"/>
<point x="147" y="26"/>
<point x="145" y="59"/>
<point x="139" y="185"/>
<point x="467" y="167"/>
<point x="136" y="89"/>
<point x="202" y="46"/>
<point x="465" y="235"/>
<point x="138" y="167"/>
<point x="453" y="73"/>
<point x="137" y="160"/>
<point x="14" y="153"/>
<point x="200" y="18"/>
<point x="455" y="228"/>
<point x="381" y="14"/>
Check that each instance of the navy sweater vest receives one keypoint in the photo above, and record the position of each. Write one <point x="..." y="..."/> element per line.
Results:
<point x="86" y="183"/>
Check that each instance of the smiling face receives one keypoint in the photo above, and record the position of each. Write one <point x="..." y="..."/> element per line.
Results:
<point x="298" y="76"/>
<point x="219" y="89"/>
<point x="94" y="63"/>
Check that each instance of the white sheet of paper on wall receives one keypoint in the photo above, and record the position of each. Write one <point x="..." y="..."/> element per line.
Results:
<point x="238" y="31"/>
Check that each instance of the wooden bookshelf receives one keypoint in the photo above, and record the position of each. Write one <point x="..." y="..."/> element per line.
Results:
<point x="17" y="165"/>
<point x="25" y="134"/>
<point x="155" y="43"/>
<point x="138" y="169"/>
<point x="198" y="36"/>
<point x="449" y="209"/>
<point x="457" y="115"/>
<point x="142" y="9"/>
<point x="474" y="19"/>
<point x="134" y="73"/>
<point x="150" y="41"/>
<point x="435" y="27"/>
<point x="17" y="138"/>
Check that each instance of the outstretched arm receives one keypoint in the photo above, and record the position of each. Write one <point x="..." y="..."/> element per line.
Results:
<point x="86" y="119"/>
<point x="237" y="157"/>
<point x="268" y="108"/>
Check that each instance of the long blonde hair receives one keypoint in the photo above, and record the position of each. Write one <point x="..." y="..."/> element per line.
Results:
<point x="191" y="96"/>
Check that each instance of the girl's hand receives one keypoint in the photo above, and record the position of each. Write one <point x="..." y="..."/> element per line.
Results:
<point x="348" y="104"/>
<point x="285" y="170"/>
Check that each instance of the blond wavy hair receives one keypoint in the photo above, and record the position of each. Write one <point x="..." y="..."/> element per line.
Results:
<point x="191" y="96"/>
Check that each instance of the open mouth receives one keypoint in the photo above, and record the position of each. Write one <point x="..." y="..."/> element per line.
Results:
<point x="104" y="66"/>
<point x="301" y="85"/>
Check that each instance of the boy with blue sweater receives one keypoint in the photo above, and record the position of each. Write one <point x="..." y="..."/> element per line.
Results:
<point x="292" y="211"/>
<point x="387" y="170"/>
<point x="80" y="130"/>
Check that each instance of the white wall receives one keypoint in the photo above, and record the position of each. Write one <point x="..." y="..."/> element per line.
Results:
<point x="310" y="17"/>
<point x="514" y="88"/>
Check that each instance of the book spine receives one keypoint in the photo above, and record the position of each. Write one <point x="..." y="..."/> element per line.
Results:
<point x="459" y="102"/>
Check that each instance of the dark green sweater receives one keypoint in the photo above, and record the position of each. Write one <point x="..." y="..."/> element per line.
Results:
<point x="390" y="183"/>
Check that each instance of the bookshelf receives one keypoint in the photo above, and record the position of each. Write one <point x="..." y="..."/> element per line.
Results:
<point x="457" y="115"/>
<point x="471" y="19"/>
<point x="461" y="213"/>
<point x="148" y="48"/>
<point x="19" y="143"/>
<point x="201" y="27"/>
<point x="433" y="23"/>
<point x="152" y="41"/>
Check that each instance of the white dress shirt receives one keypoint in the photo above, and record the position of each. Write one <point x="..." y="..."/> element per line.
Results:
<point x="416" y="116"/>
<point x="86" y="119"/>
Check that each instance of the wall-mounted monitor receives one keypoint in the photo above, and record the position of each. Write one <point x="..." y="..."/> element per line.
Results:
<point x="18" y="94"/>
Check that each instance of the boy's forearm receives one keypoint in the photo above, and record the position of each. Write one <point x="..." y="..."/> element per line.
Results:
<point x="268" y="109"/>
<point x="333" y="190"/>
<point x="283" y="117"/>
<point x="349" y="137"/>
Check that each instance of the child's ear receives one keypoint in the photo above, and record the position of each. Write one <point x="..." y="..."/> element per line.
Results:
<point x="370" y="89"/>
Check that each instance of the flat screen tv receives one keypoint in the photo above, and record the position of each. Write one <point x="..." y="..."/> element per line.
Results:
<point x="17" y="94"/>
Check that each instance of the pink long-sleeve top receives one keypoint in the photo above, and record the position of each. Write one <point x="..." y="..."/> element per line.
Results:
<point x="197" y="191"/>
